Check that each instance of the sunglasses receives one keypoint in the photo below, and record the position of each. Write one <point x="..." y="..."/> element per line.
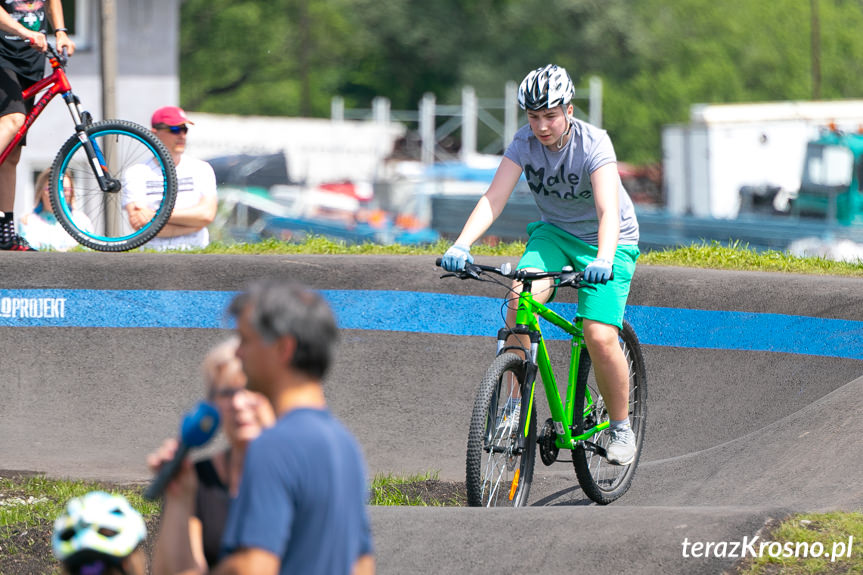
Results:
<point x="174" y="129"/>
<point x="226" y="392"/>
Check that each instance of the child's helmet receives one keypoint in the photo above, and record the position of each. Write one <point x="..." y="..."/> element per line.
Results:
<point x="546" y="87"/>
<point x="97" y="526"/>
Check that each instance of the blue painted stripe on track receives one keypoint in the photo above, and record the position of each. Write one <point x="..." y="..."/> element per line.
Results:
<point x="432" y="313"/>
<point x="113" y="308"/>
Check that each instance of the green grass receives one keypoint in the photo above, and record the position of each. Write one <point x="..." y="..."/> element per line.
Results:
<point x="31" y="501"/>
<point x="385" y="491"/>
<point x="34" y="500"/>
<point x="808" y="534"/>
<point x="29" y="505"/>
<point x="713" y="255"/>
<point x="740" y="257"/>
<point x="322" y="245"/>
<point x="389" y="490"/>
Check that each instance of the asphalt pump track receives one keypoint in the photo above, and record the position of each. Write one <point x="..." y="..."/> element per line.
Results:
<point x="743" y="426"/>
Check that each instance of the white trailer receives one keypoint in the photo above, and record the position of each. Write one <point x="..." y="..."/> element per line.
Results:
<point x="728" y="146"/>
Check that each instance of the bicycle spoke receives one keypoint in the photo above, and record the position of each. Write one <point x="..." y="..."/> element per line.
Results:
<point x="492" y="480"/>
<point x="94" y="209"/>
<point x="496" y="467"/>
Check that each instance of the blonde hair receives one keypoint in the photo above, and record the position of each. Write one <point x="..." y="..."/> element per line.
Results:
<point x="220" y="357"/>
<point x="42" y="181"/>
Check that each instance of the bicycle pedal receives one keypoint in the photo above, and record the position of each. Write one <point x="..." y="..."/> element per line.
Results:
<point x="593" y="447"/>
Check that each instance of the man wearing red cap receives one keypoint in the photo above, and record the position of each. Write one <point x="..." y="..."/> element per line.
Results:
<point x="22" y="64"/>
<point x="196" y="203"/>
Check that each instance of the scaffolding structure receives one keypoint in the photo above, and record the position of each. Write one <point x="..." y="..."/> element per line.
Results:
<point x="436" y="122"/>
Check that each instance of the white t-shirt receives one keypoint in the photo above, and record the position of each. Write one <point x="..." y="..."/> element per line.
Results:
<point x="43" y="231"/>
<point x="195" y="181"/>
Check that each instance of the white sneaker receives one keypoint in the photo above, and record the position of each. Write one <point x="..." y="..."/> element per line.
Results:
<point x="507" y="422"/>
<point x="621" y="449"/>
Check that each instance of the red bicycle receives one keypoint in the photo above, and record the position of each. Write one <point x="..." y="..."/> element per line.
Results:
<point x="98" y="160"/>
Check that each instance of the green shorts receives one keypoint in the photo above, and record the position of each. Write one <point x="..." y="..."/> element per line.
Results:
<point x="550" y="249"/>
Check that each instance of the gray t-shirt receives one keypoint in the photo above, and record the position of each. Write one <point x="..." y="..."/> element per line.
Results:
<point x="560" y="181"/>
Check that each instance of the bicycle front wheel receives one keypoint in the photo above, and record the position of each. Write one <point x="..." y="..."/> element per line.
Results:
<point x="117" y="153"/>
<point x="499" y="474"/>
<point x="600" y="480"/>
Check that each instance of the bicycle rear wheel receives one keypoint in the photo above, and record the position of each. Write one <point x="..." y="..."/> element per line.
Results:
<point x="498" y="473"/>
<point x="600" y="480"/>
<point x="126" y="152"/>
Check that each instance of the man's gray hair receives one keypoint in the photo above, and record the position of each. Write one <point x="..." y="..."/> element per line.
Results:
<point x="280" y="308"/>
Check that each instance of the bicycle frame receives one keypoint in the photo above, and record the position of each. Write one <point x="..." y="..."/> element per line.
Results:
<point x="527" y="323"/>
<point x="57" y="83"/>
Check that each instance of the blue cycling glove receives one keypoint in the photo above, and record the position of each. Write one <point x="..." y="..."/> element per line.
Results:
<point x="455" y="258"/>
<point x="598" y="271"/>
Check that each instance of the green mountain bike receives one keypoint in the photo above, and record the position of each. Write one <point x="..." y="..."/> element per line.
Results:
<point x="501" y="450"/>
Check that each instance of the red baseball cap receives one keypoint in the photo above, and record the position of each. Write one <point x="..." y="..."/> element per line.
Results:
<point x="170" y="116"/>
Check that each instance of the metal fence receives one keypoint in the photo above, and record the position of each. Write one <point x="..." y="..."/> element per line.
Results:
<point x="436" y="123"/>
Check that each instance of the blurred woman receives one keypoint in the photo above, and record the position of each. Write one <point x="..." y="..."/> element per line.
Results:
<point x="40" y="227"/>
<point x="243" y="415"/>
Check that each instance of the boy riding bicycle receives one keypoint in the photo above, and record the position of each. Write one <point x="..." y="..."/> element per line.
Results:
<point x="587" y="222"/>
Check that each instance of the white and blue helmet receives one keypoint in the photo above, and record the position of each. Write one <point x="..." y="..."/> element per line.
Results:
<point x="97" y="526"/>
<point x="546" y="87"/>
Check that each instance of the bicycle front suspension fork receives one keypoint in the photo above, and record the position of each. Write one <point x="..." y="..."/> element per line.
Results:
<point x="530" y="371"/>
<point x="96" y="158"/>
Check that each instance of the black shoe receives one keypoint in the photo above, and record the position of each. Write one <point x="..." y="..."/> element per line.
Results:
<point x="17" y="244"/>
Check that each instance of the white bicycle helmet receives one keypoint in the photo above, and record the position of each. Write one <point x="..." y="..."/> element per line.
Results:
<point x="546" y="87"/>
<point x="97" y="526"/>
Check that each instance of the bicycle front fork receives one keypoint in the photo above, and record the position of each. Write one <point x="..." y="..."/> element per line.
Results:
<point x="83" y="120"/>
<point x="529" y="371"/>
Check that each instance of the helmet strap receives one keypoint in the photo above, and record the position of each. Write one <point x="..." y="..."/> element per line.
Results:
<point x="566" y="133"/>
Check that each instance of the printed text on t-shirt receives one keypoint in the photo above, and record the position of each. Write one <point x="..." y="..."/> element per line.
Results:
<point x="558" y="184"/>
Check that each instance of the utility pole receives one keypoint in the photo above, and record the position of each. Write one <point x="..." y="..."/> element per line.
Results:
<point x="815" y="26"/>
<point x="108" y="21"/>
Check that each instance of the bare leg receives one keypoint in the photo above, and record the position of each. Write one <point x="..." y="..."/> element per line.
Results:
<point x="9" y="126"/>
<point x="610" y="367"/>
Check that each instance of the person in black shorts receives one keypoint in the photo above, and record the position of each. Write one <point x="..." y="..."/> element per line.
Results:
<point x="22" y="63"/>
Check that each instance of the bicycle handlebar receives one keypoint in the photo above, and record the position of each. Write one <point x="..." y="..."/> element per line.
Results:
<point x="567" y="276"/>
<point x="62" y="58"/>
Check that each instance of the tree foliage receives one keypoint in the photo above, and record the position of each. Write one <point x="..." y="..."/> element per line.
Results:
<point x="656" y="58"/>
